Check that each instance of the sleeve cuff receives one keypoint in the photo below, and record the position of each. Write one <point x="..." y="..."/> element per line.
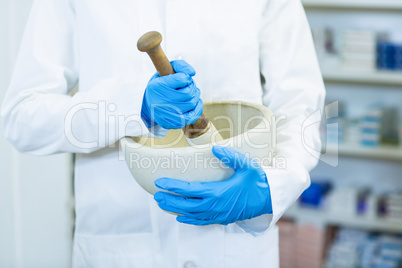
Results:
<point x="286" y="185"/>
<point x="158" y="131"/>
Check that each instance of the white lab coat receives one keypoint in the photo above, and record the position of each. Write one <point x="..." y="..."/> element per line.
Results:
<point x="258" y="51"/>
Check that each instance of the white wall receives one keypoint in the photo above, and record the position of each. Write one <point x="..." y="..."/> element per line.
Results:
<point x="35" y="192"/>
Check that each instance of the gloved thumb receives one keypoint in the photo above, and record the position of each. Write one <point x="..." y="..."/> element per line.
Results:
<point x="181" y="66"/>
<point x="232" y="158"/>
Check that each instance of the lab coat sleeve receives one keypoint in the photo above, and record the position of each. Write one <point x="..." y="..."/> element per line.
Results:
<point x="293" y="89"/>
<point x="39" y="116"/>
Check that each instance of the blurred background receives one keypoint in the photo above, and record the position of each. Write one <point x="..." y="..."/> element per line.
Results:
<point x="351" y="216"/>
<point x="36" y="197"/>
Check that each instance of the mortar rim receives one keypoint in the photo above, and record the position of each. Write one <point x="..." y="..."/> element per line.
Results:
<point x="266" y="112"/>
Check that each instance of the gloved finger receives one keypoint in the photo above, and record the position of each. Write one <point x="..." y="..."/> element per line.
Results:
<point x="183" y="95"/>
<point x="187" y="189"/>
<point x="232" y="158"/>
<point x="173" y="210"/>
<point x="184" y="99"/>
<point x="202" y="216"/>
<point x="169" y="117"/>
<point x="181" y="66"/>
<point x="193" y="115"/>
<point x="189" y="220"/>
<point x="190" y="205"/>
<point x="196" y="220"/>
<point x="173" y="81"/>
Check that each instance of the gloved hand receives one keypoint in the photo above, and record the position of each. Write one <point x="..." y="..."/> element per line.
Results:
<point x="244" y="196"/>
<point x="172" y="101"/>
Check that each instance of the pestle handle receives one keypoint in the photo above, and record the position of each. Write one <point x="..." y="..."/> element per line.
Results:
<point x="150" y="43"/>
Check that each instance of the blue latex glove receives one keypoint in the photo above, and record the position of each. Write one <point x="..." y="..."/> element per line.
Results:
<point x="244" y="196"/>
<point x="172" y="101"/>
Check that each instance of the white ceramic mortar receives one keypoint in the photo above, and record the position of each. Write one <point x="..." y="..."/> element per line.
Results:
<point x="245" y="127"/>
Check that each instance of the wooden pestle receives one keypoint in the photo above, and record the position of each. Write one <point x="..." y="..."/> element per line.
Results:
<point x="201" y="131"/>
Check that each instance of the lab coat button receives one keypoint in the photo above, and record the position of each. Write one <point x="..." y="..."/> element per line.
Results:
<point x="189" y="264"/>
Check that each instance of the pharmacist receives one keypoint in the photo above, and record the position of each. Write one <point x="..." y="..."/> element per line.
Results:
<point x="257" y="51"/>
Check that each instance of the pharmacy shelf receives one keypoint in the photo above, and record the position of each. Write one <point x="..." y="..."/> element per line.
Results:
<point x="388" y="5"/>
<point x="383" y="152"/>
<point x="363" y="77"/>
<point x="323" y="217"/>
